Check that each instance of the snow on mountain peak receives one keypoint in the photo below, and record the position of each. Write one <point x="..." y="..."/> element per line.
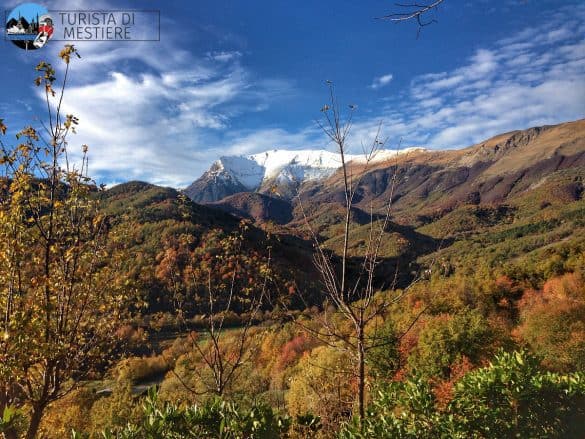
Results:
<point x="286" y="166"/>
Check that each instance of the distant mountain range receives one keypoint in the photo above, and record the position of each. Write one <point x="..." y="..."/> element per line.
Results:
<point x="278" y="172"/>
<point x="429" y="183"/>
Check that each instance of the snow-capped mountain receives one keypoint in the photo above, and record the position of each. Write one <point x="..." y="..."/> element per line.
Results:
<point x="277" y="171"/>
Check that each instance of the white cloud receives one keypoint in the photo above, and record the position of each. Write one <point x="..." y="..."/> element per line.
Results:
<point x="224" y="56"/>
<point x="534" y="77"/>
<point x="153" y="111"/>
<point x="381" y="81"/>
<point x="481" y="66"/>
<point x="152" y="126"/>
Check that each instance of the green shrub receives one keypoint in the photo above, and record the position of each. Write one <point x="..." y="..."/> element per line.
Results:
<point x="214" y="419"/>
<point x="512" y="397"/>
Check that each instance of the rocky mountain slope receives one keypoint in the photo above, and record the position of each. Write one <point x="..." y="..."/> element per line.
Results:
<point x="429" y="183"/>
<point x="493" y="171"/>
<point x="278" y="172"/>
<point x="257" y="207"/>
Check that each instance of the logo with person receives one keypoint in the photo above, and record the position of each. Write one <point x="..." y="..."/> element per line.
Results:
<point x="29" y="26"/>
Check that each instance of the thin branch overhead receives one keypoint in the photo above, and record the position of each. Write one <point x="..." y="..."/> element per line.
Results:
<point x="413" y="11"/>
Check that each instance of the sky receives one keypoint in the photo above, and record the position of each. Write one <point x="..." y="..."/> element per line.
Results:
<point x="235" y="77"/>
<point x="27" y="10"/>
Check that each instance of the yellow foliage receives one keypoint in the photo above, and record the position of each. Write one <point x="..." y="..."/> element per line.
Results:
<point x="322" y="384"/>
<point x="71" y="412"/>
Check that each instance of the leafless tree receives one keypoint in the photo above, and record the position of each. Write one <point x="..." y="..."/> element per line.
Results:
<point x="354" y="298"/>
<point x="222" y="355"/>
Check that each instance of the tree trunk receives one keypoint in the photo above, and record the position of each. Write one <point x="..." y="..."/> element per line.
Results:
<point x="361" y="377"/>
<point x="35" y="422"/>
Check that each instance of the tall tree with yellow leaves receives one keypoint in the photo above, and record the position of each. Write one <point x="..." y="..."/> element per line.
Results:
<point x="59" y="304"/>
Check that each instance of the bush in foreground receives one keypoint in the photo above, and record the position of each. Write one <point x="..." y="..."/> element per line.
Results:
<point x="214" y="419"/>
<point x="512" y="397"/>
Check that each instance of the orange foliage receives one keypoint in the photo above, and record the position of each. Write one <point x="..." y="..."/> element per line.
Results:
<point x="443" y="390"/>
<point x="529" y="298"/>
<point x="400" y="375"/>
<point x="569" y="286"/>
<point x="553" y="321"/>
<point x="294" y="349"/>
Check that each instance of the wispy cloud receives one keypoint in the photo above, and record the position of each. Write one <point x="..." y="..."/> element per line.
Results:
<point x="154" y="111"/>
<point x="530" y="78"/>
<point x="157" y="126"/>
<point x="381" y="81"/>
<point x="224" y="56"/>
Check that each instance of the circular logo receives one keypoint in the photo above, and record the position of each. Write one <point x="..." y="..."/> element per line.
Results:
<point x="29" y="26"/>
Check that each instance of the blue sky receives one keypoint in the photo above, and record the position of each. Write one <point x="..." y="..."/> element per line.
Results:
<point x="27" y="10"/>
<point x="240" y="77"/>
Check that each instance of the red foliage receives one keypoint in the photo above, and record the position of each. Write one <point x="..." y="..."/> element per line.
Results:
<point x="293" y="350"/>
<point x="443" y="390"/>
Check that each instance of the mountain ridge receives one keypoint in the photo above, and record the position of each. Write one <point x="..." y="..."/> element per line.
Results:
<point x="428" y="181"/>
<point x="279" y="172"/>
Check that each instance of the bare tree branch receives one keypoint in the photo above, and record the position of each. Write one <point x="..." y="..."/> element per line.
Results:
<point x="414" y="11"/>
